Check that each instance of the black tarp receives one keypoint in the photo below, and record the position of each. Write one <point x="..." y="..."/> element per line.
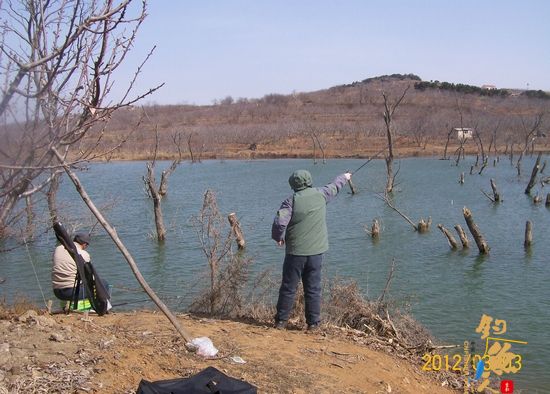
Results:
<point x="208" y="381"/>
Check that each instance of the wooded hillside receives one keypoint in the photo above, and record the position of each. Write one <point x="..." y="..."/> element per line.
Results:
<point x="341" y="121"/>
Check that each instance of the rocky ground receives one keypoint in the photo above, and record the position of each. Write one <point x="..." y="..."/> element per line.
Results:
<point x="60" y="353"/>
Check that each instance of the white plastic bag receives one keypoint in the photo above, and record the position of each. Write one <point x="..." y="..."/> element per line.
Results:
<point x="203" y="346"/>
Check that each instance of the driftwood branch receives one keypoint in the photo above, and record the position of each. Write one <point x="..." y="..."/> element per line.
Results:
<point x="386" y="199"/>
<point x="422" y="226"/>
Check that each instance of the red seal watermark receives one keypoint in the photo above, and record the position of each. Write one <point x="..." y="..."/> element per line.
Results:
<point x="507" y="386"/>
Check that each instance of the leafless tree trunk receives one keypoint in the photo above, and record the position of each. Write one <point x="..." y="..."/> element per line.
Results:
<point x="189" y="147"/>
<point x="314" y="149"/>
<point x="534" y="173"/>
<point x="528" y="234"/>
<point x="30" y="216"/>
<point x="236" y="228"/>
<point x="449" y="134"/>
<point x="496" y="194"/>
<point x="460" y="150"/>
<point x="52" y="197"/>
<point x="321" y="148"/>
<point x="530" y="134"/>
<point x="375" y="230"/>
<point x="389" y="111"/>
<point x="156" y="194"/>
<point x="476" y="233"/>
<point x="462" y="235"/>
<point x="452" y="241"/>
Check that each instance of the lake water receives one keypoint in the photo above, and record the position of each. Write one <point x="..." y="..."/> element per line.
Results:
<point x="448" y="290"/>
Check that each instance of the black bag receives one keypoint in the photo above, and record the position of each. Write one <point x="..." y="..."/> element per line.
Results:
<point x="208" y="381"/>
<point x="86" y="273"/>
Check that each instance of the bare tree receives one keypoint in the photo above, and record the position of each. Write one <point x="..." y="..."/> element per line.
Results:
<point x="463" y="138"/>
<point x="530" y="133"/>
<point x="449" y="134"/>
<point x="389" y="110"/>
<point x="156" y="193"/>
<point x="321" y="148"/>
<point x="57" y="61"/>
<point x="216" y="245"/>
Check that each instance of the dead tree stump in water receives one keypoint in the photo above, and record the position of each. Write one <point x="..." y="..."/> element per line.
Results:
<point x="478" y="237"/>
<point x="534" y="173"/>
<point x="452" y="241"/>
<point x="236" y="228"/>
<point x="462" y="235"/>
<point x="547" y="200"/>
<point x="352" y="187"/>
<point x="496" y="194"/>
<point x="423" y="226"/>
<point x="375" y="230"/>
<point x="528" y="234"/>
<point x="537" y="199"/>
<point x="461" y="181"/>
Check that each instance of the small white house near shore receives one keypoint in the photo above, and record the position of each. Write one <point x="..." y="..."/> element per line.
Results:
<point x="464" y="133"/>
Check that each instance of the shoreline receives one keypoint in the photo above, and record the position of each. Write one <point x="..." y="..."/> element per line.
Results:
<point x="112" y="353"/>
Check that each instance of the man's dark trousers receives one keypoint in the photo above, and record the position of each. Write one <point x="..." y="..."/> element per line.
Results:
<point x="307" y="268"/>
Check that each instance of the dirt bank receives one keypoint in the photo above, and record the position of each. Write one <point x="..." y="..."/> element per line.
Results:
<point x="111" y="354"/>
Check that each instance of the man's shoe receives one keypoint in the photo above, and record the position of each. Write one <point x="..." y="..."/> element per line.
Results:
<point x="313" y="327"/>
<point x="280" y="324"/>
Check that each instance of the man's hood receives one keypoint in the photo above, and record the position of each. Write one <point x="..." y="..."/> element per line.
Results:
<point x="300" y="180"/>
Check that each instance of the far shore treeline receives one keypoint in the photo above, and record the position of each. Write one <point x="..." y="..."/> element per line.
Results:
<point x="341" y="121"/>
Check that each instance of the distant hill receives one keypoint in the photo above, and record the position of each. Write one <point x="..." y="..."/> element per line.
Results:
<point x="344" y="120"/>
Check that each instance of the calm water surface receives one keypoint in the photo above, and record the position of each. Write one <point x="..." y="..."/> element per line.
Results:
<point x="448" y="290"/>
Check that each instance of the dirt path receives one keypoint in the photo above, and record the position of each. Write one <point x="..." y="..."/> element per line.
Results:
<point x="111" y="354"/>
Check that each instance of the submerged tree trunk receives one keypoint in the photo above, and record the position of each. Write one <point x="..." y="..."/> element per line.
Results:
<point x="452" y="241"/>
<point x="528" y="234"/>
<point x="156" y="197"/>
<point x="352" y="187"/>
<point x="534" y="173"/>
<point x="236" y="228"/>
<point x="375" y="230"/>
<point x="389" y="110"/>
<point x="476" y="233"/>
<point x="447" y="144"/>
<point x="496" y="194"/>
<point x="462" y="235"/>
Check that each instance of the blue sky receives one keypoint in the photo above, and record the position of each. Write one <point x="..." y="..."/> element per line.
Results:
<point x="208" y="50"/>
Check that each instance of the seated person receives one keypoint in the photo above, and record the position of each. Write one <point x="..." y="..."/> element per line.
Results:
<point x="64" y="268"/>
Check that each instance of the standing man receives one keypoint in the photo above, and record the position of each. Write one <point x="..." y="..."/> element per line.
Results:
<point x="300" y="224"/>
